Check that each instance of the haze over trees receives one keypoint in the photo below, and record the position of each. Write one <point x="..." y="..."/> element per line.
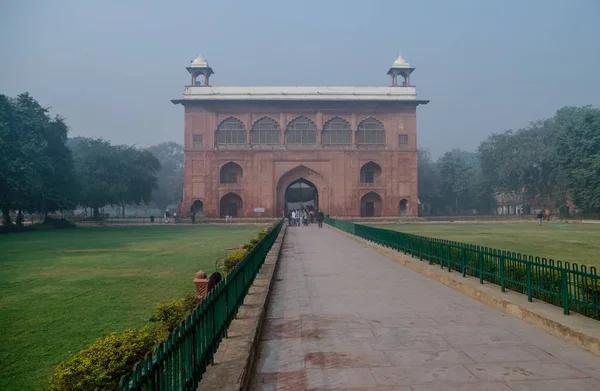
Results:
<point x="544" y="164"/>
<point x="170" y="175"/>
<point x="43" y="171"/>
<point x="112" y="174"/>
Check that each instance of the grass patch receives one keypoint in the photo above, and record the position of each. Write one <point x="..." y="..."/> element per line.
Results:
<point x="578" y="243"/>
<point x="60" y="290"/>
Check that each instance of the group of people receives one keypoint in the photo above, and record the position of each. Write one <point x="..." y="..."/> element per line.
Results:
<point x="543" y="215"/>
<point x="305" y="217"/>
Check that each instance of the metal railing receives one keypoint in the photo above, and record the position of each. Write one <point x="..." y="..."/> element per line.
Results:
<point x="568" y="285"/>
<point x="180" y="361"/>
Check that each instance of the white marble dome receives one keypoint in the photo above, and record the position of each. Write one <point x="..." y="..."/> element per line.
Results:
<point x="400" y="63"/>
<point x="200" y="62"/>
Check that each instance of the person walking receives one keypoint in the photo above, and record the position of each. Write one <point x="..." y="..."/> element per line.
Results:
<point x="540" y="217"/>
<point x="547" y="214"/>
<point x="305" y="218"/>
<point x="320" y="218"/>
<point x="193" y="217"/>
<point x="293" y="221"/>
<point x="298" y="217"/>
<point x="167" y="216"/>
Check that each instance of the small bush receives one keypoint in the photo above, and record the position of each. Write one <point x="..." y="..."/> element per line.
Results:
<point x="172" y="313"/>
<point x="190" y="301"/>
<point x="101" y="365"/>
<point x="233" y="259"/>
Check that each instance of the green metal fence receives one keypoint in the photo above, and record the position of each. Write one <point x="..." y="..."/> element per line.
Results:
<point x="567" y="285"/>
<point x="180" y="361"/>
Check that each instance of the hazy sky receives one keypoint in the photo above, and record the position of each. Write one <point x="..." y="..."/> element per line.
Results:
<point x="111" y="67"/>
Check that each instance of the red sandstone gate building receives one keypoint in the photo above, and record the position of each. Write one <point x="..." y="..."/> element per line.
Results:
<point x="350" y="151"/>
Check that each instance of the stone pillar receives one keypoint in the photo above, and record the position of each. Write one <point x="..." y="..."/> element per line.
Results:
<point x="354" y="127"/>
<point x="201" y="283"/>
<point x="248" y="125"/>
<point x="319" y="125"/>
<point x="282" y="127"/>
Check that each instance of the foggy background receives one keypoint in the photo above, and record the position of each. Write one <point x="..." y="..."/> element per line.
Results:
<point x="111" y="67"/>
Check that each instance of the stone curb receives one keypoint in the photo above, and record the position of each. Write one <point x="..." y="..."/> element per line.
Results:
<point x="575" y="328"/>
<point x="234" y="359"/>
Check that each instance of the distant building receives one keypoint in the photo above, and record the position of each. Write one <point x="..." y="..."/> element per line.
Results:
<point x="350" y="151"/>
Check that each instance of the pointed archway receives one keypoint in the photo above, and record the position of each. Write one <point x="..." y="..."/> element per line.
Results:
<point x="370" y="205"/>
<point x="231" y="204"/>
<point x="301" y="194"/>
<point x="197" y="208"/>
<point x="403" y="208"/>
<point x="301" y="174"/>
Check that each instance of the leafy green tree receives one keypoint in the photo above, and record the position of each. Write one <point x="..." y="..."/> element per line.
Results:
<point x="96" y="168"/>
<point x="112" y="174"/>
<point x="578" y="150"/>
<point x="428" y="179"/>
<point x="457" y="173"/>
<point x="136" y="178"/>
<point x="37" y="170"/>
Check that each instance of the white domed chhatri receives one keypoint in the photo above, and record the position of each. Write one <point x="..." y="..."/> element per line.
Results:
<point x="400" y="63"/>
<point x="200" y="62"/>
<point x="200" y="67"/>
<point x="400" y="68"/>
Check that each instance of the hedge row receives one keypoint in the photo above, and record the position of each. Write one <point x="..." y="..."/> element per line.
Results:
<point x="101" y="365"/>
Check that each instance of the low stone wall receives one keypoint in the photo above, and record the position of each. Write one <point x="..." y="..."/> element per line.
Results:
<point x="235" y="358"/>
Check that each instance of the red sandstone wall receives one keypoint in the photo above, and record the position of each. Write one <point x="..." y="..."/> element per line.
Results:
<point x="334" y="171"/>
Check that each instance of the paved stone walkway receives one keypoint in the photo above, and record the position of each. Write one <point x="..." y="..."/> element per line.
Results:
<point x="343" y="316"/>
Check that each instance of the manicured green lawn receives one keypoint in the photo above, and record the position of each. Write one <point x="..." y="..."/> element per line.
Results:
<point x="578" y="243"/>
<point x="60" y="290"/>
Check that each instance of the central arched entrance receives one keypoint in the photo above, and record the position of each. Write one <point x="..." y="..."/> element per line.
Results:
<point x="301" y="194"/>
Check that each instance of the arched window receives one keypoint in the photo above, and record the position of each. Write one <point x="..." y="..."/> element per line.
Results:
<point x="231" y="173"/>
<point x="265" y="131"/>
<point x="370" y="132"/>
<point x="301" y="131"/>
<point x="370" y="173"/>
<point x="336" y="131"/>
<point x="231" y="131"/>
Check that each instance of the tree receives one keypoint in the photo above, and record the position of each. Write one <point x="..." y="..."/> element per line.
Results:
<point x="578" y="150"/>
<point x="59" y="189"/>
<point x="96" y="168"/>
<point x="429" y="178"/>
<point x="170" y="175"/>
<point x="136" y="178"/>
<point x="457" y="172"/>
<point x="36" y="173"/>
<point x="112" y="175"/>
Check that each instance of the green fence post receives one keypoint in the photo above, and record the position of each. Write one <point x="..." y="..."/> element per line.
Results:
<point x="528" y="282"/>
<point x="502" y="272"/>
<point x="462" y="261"/>
<point x="480" y="266"/>
<point x="430" y="249"/>
<point x="449" y="258"/>
<point x="564" y="290"/>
